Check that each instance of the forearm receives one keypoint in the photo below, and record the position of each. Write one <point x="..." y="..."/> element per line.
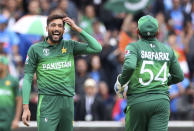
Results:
<point x="128" y="69"/>
<point x="93" y="45"/>
<point x="26" y="88"/>
<point x="18" y="108"/>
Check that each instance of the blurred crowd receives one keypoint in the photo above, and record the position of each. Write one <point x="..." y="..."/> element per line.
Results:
<point x="95" y="75"/>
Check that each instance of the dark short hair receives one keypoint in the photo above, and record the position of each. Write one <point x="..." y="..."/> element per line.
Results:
<point x="55" y="16"/>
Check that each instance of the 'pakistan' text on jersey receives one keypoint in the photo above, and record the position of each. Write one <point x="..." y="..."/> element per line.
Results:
<point x="54" y="67"/>
<point x="153" y="61"/>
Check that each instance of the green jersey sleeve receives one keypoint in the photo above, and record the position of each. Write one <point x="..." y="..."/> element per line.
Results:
<point x="129" y="63"/>
<point x="17" y="89"/>
<point x="30" y="68"/>
<point x="176" y="73"/>
<point x="91" y="47"/>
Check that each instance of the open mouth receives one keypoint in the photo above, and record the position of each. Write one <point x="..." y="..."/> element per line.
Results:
<point x="56" y="34"/>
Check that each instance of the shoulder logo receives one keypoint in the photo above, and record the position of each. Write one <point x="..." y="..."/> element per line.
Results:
<point x="127" y="52"/>
<point x="27" y="59"/>
<point x="46" y="52"/>
<point x="63" y="50"/>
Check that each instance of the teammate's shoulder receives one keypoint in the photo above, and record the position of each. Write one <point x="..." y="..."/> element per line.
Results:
<point x="67" y="41"/>
<point x="133" y="44"/>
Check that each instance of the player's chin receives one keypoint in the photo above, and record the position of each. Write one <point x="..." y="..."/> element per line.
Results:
<point x="56" y="39"/>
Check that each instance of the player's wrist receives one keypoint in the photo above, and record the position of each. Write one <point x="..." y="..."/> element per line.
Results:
<point x="78" y="29"/>
<point x="25" y="107"/>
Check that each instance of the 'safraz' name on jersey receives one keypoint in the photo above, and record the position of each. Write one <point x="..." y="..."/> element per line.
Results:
<point x="154" y="55"/>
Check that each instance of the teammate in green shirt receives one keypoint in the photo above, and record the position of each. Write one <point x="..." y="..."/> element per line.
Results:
<point x="149" y="68"/>
<point x="10" y="98"/>
<point x="53" y="62"/>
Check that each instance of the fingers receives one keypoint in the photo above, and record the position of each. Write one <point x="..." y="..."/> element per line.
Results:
<point x="25" y="119"/>
<point x="25" y="122"/>
<point x="68" y="20"/>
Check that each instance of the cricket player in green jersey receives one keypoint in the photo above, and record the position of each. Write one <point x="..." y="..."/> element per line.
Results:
<point x="53" y="62"/>
<point x="149" y="68"/>
<point x="10" y="98"/>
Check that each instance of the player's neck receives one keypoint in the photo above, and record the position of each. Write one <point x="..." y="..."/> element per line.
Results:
<point x="50" y="42"/>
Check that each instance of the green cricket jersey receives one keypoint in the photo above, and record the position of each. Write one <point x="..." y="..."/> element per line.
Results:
<point x="54" y="66"/>
<point x="9" y="90"/>
<point x="150" y="66"/>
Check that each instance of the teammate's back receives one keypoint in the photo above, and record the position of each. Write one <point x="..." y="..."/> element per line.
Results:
<point x="148" y="69"/>
<point x="154" y="61"/>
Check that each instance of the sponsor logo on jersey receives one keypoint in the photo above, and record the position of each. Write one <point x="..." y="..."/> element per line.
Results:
<point x="63" y="50"/>
<point x="154" y="55"/>
<point x="7" y="83"/>
<point x="46" y="52"/>
<point x="56" y="65"/>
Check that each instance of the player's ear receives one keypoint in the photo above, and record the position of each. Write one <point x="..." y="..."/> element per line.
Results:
<point x="137" y="31"/>
<point x="157" y="34"/>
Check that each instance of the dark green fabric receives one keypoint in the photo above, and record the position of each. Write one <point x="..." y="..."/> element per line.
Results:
<point x="9" y="90"/>
<point x="55" y="113"/>
<point x="6" y="117"/>
<point x="148" y="116"/>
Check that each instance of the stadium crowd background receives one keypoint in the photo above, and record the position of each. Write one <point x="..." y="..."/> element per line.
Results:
<point x="95" y="98"/>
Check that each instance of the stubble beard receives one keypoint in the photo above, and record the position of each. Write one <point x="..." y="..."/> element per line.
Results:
<point x="50" y="36"/>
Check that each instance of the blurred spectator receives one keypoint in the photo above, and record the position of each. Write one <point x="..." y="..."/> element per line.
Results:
<point x="108" y="99"/>
<point x="185" y="105"/>
<point x="97" y="73"/>
<point x="34" y="7"/>
<point x="81" y="75"/>
<point x="192" y="14"/>
<point x="190" y="56"/>
<point x="163" y="31"/>
<point x="9" y="40"/>
<point x="24" y="45"/>
<point x="109" y="45"/>
<point x="90" y="107"/>
<point x="186" y="6"/>
<point x="176" y="16"/>
<point x="97" y="34"/>
<point x="45" y="7"/>
<point x="172" y="42"/>
<point x="69" y="8"/>
<point x="10" y="98"/>
<point x="176" y="91"/>
<point x="88" y="18"/>
<point x="158" y="6"/>
<point x="118" y="112"/>
<point x="13" y="11"/>
<point x="128" y="33"/>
